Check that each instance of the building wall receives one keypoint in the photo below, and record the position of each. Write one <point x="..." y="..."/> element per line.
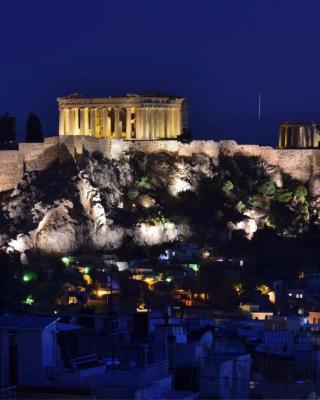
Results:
<point x="29" y="349"/>
<point x="301" y="164"/>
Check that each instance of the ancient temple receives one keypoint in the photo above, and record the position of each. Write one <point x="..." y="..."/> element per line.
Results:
<point x="299" y="135"/>
<point x="148" y="117"/>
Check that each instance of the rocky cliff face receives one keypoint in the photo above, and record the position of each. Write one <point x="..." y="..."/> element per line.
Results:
<point x="97" y="204"/>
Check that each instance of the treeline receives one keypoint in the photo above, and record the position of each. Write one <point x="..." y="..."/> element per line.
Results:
<point x="8" y="133"/>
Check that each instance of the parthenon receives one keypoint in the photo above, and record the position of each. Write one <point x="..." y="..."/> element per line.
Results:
<point x="132" y="117"/>
<point x="299" y="135"/>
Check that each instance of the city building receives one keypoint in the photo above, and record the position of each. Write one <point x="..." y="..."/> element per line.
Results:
<point x="147" y="117"/>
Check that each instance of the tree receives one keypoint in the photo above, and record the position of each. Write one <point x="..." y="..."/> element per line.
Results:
<point x="7" y="128"/>
<point x="34" y="129"/>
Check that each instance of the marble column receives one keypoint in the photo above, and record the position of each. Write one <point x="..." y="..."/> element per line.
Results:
<point x="117" y="133"/>
<point x="147" y="126"/>
<point x="82" y="121"/>
<point x="151" y="124"/>
<point x="72" y="121"/>
<point x="171" y="122"/>
<point x="86" y="122"/>
<point x="61" y="121"/>
<point x="128" y="124"/>
<point x="165" y="122"/>
<point x="141" y="127"/>
<point x="156" y="124"/>
<point x="108" y="125"/>
<point x="66" y="121"/>
<point x="105" y="122"/>
<point x="92" y="122"/>
<point x="162" y="133"/>
<point x="138" y="123"/>
<point x="179" y="122"/>
<point x="286" y="137"/>
<point x="76" y="121"/>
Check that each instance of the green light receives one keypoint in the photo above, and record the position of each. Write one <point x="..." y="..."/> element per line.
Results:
<point x="169" y="279"/>
<point x="27" y="277"/>
<point x="194" y="267"/>
<point x="29" y="300"/>
<point x="67" y="260"/>
<point x="86" y="270"/>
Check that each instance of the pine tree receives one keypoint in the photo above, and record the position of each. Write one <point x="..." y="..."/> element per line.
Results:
<point x="7" y="128"/>
<point x="33" y="129"/>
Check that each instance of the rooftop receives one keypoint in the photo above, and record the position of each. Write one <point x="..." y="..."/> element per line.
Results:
<point x="26" y="321"/>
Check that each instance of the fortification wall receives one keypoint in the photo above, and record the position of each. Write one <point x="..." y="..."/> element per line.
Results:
<point x="73" y="146"/>
<point x="301" y="164"/>
<point x="40" y="156"/>
<point x="11" y="169"/>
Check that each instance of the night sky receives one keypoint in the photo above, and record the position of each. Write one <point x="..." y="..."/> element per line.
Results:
<point x="217" y="53"/>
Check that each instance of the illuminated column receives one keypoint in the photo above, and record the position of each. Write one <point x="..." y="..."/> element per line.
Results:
<point x="165" y="123"/>
<point x="159" y="124"/>
<point x="71" y="121"/>
<point x="137" y="119"/>
<point x="151" y="123"/>
<point x="147" y="126"/>
<point x="156" y="123"/>
<point x="170" y="122"/>
<point x="162" y="124"/>
<point x="93" y="122"/>
<point x="86" y="122"/>
<point x="179" y="122"/>
<point x="105" y="122"/>
<point x="61" y="122"/>
<point x="280" y="137"/>
<point x="176" y="123"/>
<point x="76" y="121"/>
<point x="138" y="123"/>
<point x="67" y="121"/>
<point x="108" y="124"/>
<point x="286" y="137"/>
<point x="82" y="121"/>
<point x="128" y="125"/>
<point x="144" y="123"/>
<point x="117" y="132"/>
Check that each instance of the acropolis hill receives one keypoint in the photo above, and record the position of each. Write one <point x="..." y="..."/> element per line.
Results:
<point x="148" y="123"/>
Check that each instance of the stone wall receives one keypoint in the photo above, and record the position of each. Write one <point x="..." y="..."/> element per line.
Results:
<point x="301" y="164"/>
<point x="11" y="169"/>
<point x="40" y="156"/>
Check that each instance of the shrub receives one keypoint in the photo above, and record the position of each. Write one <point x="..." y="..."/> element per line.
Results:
<point x="143" y="183"/>
<point x="267" y="188"/>
<point x="300" y="193"/>
<point x="227" y="186"/>
<point x="283" y="195"/>
<point x="133" y="194"/>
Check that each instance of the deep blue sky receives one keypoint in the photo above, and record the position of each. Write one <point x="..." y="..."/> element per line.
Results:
<point x="218" y="53"/>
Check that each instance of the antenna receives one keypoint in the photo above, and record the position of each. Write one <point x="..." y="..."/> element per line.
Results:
<point x="259" y="106"/>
